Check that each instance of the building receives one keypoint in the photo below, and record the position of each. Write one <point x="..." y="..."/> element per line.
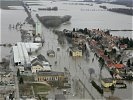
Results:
<point x="21" y="53"/>
<point x="51" y="53"/>
<point x="75" y="52"/>
<point x="49" y="76"/>
<point x="37" y="66"/>
<point x="37" y="39"/>
<point x="119" y="66"/>
<point x="43" y="60"/>
<point x="108" y="82"/>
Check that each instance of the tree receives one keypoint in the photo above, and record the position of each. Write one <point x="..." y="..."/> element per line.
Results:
<point x="132" y="64"/>
<point x="91" y="71"/>
<point x="18" y="73"/>
<point x="105" y="52"/>
<point x="113" y="51"/>
<point x="73" y="29"/>
<point x="85" y="30"/>
<point x="128" y="63"/>
<point x="81" y="30"/>
<point x="21" y="81"/>
<point x="121" y="62"/>
<point x="101" y="65"/>
<point x="11" y="97"/>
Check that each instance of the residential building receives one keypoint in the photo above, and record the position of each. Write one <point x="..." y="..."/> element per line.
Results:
<point x="37" y="66"/>
<point x="75" y="52"/>
<point x="51" y="53"/>
<point x="108" y="82"/>
<point x="118" y="66"/>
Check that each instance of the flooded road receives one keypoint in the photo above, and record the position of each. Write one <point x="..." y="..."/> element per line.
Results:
<point x="78" y="67"/>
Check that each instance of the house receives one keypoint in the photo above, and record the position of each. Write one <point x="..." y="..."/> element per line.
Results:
<point x="37" y="66"/>
<point x="118" y="66"/>
<point x="75" y="52"/>
<point x="44" y="61"/>
<point x="51" y="53"/>
<point x="108" y="82"/>
<point x="37" y="39"/>
<point x="42" y="76"/>
<point x="122" y="47"/>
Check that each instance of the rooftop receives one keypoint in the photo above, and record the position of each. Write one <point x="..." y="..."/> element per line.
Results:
<point x="75" y="49"/>
<point x="52" y="73"/>
<point x="107" y="80"/>
<point x="42" y="58"/>
<point x="119" y="66"/>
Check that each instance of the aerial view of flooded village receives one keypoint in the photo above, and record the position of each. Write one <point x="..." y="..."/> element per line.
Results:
<point x="66" y="50"/>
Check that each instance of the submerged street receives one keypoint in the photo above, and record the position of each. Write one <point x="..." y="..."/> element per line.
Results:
<point x="78" y="67"/>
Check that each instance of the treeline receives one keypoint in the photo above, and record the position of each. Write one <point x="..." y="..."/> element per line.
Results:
<point x="127" y="41"/>
<point x="104" y="7"/>
<point x="49" y="8"/>
<point x="122" y="10"/>
<point x="128" y="3"/>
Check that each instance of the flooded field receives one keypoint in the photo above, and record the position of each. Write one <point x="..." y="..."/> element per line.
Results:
<point x="78" y="67"/>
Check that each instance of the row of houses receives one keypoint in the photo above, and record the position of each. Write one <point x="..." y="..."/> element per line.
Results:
<point x="99" y="41"/>
<point x="97" y="48"/>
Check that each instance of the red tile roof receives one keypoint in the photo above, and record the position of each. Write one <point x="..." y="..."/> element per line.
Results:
<point x="119" y="66"/>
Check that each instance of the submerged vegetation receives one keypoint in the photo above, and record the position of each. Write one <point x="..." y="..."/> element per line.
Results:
<point x="53" y="21"/>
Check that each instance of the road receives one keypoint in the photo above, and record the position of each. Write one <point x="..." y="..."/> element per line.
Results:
<point x="14" y="69"/>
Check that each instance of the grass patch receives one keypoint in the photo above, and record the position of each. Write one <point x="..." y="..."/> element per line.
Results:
<point x="40" y="87"/>
<point x="28" y="78"/>
<point x="26" y="90"/>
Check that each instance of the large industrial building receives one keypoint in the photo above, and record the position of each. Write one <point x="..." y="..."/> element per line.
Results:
<point x="21" y="53"/>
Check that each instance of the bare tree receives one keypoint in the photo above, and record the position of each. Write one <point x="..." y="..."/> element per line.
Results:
<point x="91" y="71"/>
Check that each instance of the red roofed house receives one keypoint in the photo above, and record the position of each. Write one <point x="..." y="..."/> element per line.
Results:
<point x="119" y="66"/>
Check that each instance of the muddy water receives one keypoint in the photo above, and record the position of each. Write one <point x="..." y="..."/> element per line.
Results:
<point x="78" y="67"/>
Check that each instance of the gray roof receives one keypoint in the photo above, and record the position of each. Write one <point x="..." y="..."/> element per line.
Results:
<point x="108" y="80"/>
<point x="51" y="73"/>
<point x="34" y="60"/>
<point x="41" y="58"/>
<point x="37" y="63"/>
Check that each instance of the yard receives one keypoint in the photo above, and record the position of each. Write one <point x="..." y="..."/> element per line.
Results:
<point x="26" y="89"/>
